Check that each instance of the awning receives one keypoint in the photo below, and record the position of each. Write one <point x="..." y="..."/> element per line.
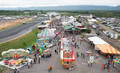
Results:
<point x="96" y="40"/>
<point x="106" y="48"/>
<point x="70" y="28"/>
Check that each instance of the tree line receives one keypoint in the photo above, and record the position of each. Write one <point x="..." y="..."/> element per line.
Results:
<point x="98" y="13"/>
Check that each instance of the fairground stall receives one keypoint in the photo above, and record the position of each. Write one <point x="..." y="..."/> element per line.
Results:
<point x="103" y="47"/>
<point x="45" y="37"/>
<point x="66" y="53"/>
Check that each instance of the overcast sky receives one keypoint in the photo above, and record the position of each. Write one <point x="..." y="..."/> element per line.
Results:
<point x="29" y="3"/>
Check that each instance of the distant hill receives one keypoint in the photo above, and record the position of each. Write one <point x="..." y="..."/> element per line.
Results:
<point x="67" y="7"/>
<point x="117" y="7"/>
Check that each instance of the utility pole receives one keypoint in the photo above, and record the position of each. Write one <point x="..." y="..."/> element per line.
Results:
<point x="92" y="45"/>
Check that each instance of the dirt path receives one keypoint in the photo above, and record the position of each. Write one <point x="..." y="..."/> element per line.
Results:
<point x="13" y="23"/>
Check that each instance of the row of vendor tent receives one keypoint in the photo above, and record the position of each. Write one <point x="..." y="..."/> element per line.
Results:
<point x="77" y="24"/>
<point x="71" y="27"/>
<point x="103" y="46"/>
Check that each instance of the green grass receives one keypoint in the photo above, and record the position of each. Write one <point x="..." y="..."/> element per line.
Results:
<point x="21" y="42"/>
<point x="99" y="22"/>
<point x="19" y="53"/>
<point x="69" y="14"/>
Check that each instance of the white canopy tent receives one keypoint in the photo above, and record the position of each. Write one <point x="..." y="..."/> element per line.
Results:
<point x="92" y="20"/>
<point x="96" y="40"/>
<point x="42" y="26"/>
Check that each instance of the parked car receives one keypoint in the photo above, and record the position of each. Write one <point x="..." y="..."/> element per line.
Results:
<point x="23" y="22"/>
<point x="101" y="28"/>
<point x="94" y="26"/>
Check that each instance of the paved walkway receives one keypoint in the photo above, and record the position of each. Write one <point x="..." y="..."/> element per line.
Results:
<point x="80" y="63"/>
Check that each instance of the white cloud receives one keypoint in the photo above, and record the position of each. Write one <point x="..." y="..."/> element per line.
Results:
<point x="29" y="3"/>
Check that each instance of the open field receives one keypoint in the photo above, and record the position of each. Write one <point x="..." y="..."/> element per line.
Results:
<point x="9" y="24"/>
<point x="21" y="42"/>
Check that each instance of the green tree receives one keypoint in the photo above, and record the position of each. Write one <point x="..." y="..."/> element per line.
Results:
<point x="88" y="30"/>
<point x="83" y="26"/>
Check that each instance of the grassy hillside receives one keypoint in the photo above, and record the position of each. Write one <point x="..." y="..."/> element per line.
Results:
<point x="21" y="42"/>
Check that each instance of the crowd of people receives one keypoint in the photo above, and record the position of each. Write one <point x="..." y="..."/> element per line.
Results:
<point x="108" y="65"/>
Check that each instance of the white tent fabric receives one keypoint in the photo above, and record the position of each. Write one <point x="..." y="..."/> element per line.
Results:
<point x="72" y="19"/>
<point x="52" y="30"/>
<point x="97" y="40"/>
<point x="43" y="26"/>
<point x="77" y="24"/>
<point x="66" y="23"/>
<point x="14" y="50"/>
<point x="92" y="20"/>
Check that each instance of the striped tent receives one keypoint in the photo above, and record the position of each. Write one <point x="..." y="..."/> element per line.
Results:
<point x="106" y="48"/>
<point x="46" y="33"/>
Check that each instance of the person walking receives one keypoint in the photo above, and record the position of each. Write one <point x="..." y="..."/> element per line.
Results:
<point x="49" y="68"/>
<point x="34" y="60"/>
<point x="75" y="44"/>
<point x="91" y="62"/>
<point x="80" y="42"/>
<point x="28" y="65"/>
<point x="108" y="66"/>
<point x="18" y="70"/>
<point x="55" y="50"/>
<point x="103" y="67"/>
<point x="113" y="64"/>
<point x="39" y="58"/>
<point x="31" y="63"/>
<point x="97" y="56"/>
<point x="77" y="54"/>
<point x="111" y="61"/>
<point x="81" y="54"/>
<point x="15" y="70"/>
<point x="88" y="63"/>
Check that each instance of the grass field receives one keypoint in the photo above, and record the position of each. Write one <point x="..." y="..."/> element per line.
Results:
<point x="69" y="14"/>
<point x="21" y="42"/>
